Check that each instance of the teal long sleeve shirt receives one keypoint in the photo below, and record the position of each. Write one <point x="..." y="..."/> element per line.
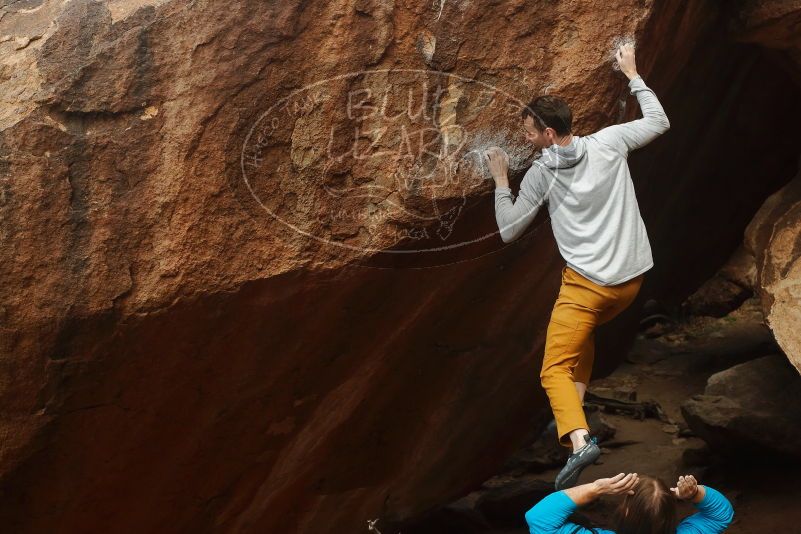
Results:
<point x="549" y="516"/>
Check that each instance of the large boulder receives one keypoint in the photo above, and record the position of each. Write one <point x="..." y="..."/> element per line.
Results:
<point x="750" y="410"/>
<point x="774" y="239"/>
<point x="206" y="211"/>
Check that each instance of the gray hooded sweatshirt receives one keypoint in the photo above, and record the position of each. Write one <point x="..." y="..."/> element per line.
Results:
<point x="587" y="185"/>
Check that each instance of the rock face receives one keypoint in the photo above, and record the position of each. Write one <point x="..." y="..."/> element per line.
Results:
<point x="750" y="410"/>
<point x="214" y="316"/>
<point x="774" y="236"/>
<point x="774" y="25"/>
<point x="723" y="293"/>
<point x="774" y="239"/>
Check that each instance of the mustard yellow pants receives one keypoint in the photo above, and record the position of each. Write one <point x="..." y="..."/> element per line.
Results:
<point x="570" y="342"/>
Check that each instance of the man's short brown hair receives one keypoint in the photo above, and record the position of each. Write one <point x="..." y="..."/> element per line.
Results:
<point x="550" y="111"/>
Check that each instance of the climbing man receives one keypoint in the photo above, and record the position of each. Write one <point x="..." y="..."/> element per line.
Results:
<point x="600" y="234"/>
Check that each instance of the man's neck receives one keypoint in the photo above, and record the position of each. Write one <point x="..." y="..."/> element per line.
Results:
<point x="567" y="140"/>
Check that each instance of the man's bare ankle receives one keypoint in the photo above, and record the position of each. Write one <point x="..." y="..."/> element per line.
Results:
<point x="577" y="438"/>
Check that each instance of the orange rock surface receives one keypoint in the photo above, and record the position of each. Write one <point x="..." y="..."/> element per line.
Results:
<point x="242" y="294"/>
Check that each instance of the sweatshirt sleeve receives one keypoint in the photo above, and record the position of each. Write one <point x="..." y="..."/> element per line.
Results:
<point x="715" y="513"/>
<point x="513" y="217"/>
<point x="637" y="133"/>
<point x="549" y="516"/>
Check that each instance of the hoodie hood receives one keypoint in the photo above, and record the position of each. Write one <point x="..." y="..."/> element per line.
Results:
<point x="564" y="157"/>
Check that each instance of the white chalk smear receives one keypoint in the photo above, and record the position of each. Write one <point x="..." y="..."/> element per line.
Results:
<point x="617" y="42"/>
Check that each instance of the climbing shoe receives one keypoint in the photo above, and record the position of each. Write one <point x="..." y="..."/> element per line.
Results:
<point x="580" y="459"/>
